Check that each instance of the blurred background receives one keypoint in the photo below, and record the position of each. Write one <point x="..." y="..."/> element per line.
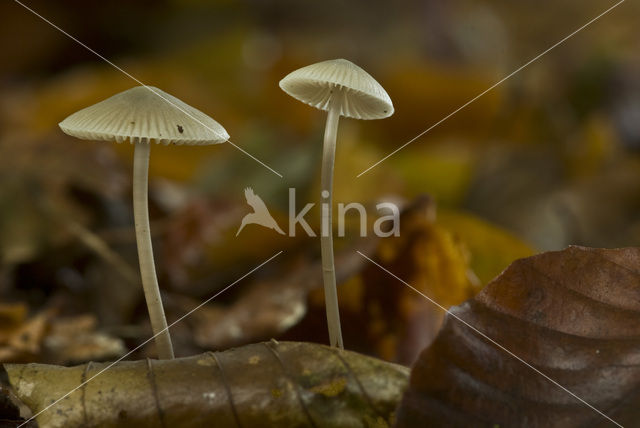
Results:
<point x="547" y="159"/>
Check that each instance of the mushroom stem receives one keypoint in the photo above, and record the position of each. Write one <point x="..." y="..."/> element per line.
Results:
<point x="145" y="251"/>
<point x="326" y="239"/>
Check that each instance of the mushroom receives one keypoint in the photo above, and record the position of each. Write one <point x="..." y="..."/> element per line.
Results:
<point x="341" y="88"/>
<point x="143" y="114"/>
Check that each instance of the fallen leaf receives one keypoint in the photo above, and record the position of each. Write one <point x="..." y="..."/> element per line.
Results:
<point x="21" y="337"/>
<point x="270" y="306"/>
<point x="75" y="340"/>
<point x="44" y="337"/>
<point x="491" y="248"/>
<point x="571" y="314"/>
<point x="12" y="315"/>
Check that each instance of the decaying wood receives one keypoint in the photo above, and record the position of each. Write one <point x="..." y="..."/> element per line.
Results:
<point x="287" y="384"/>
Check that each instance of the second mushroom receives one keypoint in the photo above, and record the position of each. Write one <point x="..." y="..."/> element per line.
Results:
<point x="341" y="88"/>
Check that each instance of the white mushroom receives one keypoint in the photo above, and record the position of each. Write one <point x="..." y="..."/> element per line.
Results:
<point x="141" y="115"/>
<point x="341" y="88"/>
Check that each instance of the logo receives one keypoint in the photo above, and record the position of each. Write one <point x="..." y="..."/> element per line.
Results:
<point x="260" y="214"/>
<point x="263" y="217"/>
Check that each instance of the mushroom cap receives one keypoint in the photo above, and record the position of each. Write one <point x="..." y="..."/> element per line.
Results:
<point x="364" y="97"/>
<point x="141" y="115"/>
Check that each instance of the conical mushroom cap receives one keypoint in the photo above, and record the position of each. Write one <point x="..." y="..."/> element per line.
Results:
<point x="364" y="97"/>
<point x="141" y="115"/>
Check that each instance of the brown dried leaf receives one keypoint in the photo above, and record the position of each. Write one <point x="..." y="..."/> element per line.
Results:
<point x="269" y="307"/>
<point x="266" y="384"/>
<point x="21" y="337"/>
<point x="572" y="314"/>
<point x="47" y="338"/>
<point x="75" y="339"/>
<point x="12" y="315"/>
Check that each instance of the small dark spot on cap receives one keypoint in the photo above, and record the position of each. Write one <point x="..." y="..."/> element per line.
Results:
<point x="133" y="123"/>
<point x="385" y="111"/>
<point x="180" y="129"/>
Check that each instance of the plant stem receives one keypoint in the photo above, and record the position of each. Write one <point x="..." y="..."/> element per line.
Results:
<point x="145" y="251"/>
<point x="326" y="239"/>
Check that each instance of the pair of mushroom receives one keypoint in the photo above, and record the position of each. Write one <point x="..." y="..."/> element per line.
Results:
<point x="145" y="114"/>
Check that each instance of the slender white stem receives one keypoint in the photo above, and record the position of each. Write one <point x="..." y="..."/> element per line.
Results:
<point x="326" y="237"/>
<point x="145" y="251"/>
